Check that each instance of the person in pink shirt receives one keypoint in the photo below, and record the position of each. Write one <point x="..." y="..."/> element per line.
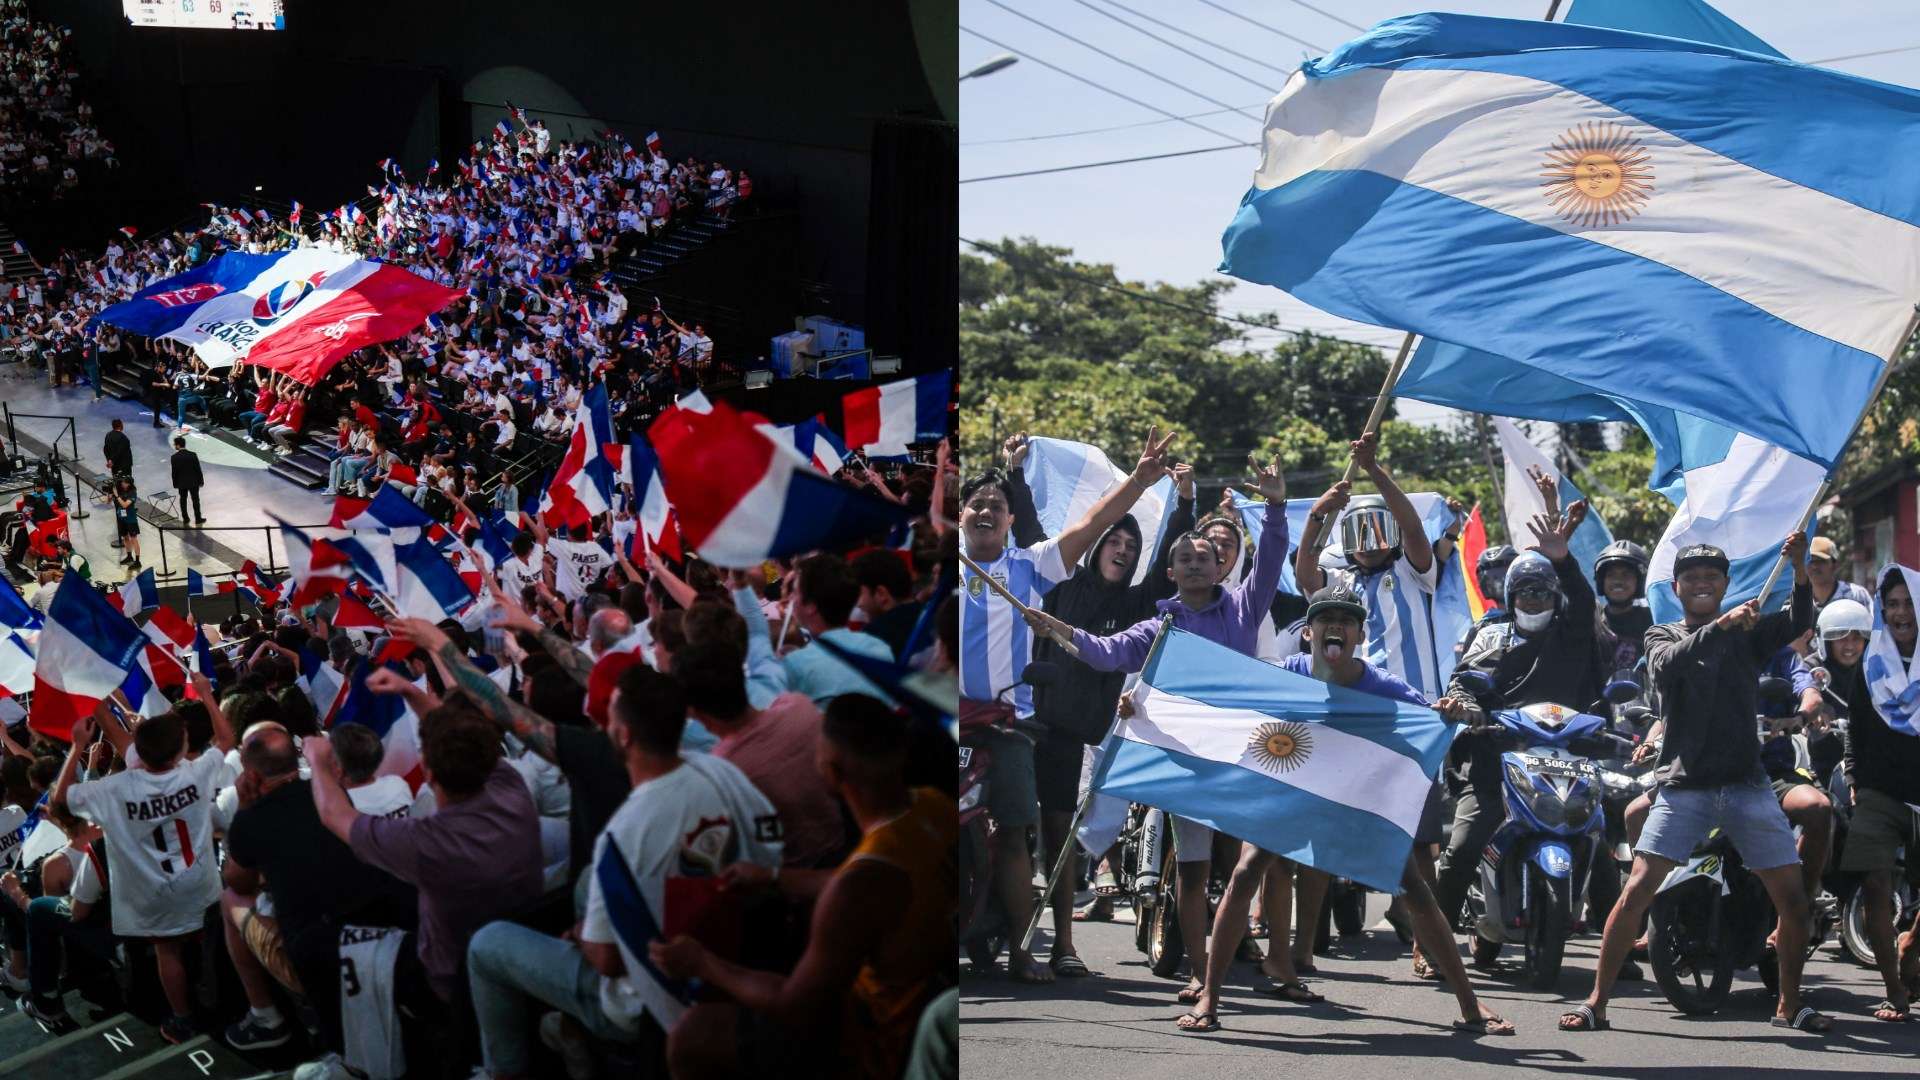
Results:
<point x="766" y="744"/>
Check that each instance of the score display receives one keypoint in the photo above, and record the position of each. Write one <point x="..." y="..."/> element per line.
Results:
<point x="207" y="14"/>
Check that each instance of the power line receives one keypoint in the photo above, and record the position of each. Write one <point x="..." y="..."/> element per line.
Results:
<point x="1003" y="256"/>
<point x="1864" y="55"/>
<point x="1090" y="82"/>
<point x="1263" y="26"/>
<point x="1328" y="14"/>
<point x="1102" y="164"/>
<point x="1101" y="130"/>
<point x="1177" y="48"/>
<point x="1148" y="72"/>
<point x="1285" y="72"/>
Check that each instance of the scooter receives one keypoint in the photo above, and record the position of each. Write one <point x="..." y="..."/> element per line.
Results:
<point x="984" y="926"/>
<point x="1535" y="869"/>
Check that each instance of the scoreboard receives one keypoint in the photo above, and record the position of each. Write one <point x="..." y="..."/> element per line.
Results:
<point x="207" y="14"/>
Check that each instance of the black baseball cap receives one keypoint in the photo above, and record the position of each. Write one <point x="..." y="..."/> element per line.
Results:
<point x="1336" y="598"/>
<point x="1700" y="555"/>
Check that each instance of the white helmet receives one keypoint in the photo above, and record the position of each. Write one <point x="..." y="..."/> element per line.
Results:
<point x="1842" y="617"/>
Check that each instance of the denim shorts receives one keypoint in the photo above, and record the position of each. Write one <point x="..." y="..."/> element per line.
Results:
<point x="1747" y="812"/>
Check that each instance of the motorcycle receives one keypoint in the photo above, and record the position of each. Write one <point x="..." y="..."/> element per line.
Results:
<point x="984" y="926"/>
<point x="1534" y="871"/>
<point x="1146" y="855"/>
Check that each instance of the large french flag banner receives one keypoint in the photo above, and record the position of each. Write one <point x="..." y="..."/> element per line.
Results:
<point x="1327" y="776"/>
<point x="882" y="420"/>
<point x="297" y="312"/>
<point x="740" y="499"/>
<point x="1683" y="224"/>
<point x="85" y="652"/>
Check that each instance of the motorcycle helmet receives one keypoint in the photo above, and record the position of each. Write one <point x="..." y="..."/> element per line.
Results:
<point x="1533" y="572"/>
<point x="1840" y="618"/>
<point x="1621" y="551"/>
<point x="1490" y="570"/>
<point x="1368" y="526"/>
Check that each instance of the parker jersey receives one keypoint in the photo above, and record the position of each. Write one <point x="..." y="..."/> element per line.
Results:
<point x="12" y="833"/>
<point x="369" y="1022"/>
<point x="1399" y="620"/>
<point x="995" y="642"/>
<point x="159" y="830"/>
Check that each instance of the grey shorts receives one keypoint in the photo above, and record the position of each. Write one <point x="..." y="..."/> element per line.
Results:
<point x="1880" y="827"/>
<point x="1747" y="812"/>
<point x="1013" y="797"/>
<point x="1192" y="841"/>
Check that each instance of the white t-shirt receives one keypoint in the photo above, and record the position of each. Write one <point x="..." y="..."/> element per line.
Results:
<point x="386" y="797"/>
<point x="159" y="830"/>
<point x="577" y="564"/>
<point x="517" y="573"/>
<point x="689" y="823"/>
<point x="995" y="643"/>
<point x="11" y="818"/>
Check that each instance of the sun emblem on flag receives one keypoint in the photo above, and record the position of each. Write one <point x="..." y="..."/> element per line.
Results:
<point x="1597" y="174"/>
<point x="1280" y="746"/>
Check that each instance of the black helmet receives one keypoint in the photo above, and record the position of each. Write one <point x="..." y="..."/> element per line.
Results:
<point x="1621" y="551"/>
<point x="1494" y="561"/>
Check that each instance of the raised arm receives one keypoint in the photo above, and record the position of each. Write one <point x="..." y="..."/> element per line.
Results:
<point x="1027" y="530"/>
<point x="1113" y="505"/>
<point x="1157" y="585"/>
<point x="1779" y="628"/>
<point x="575" y="663"/>
<point x="336" y="809"/>
<point x="1270" y="550"/>
<point x="1306" y="562"/>
<point x="682" y="593"/>
<point x="1414" y="545"/>
<point x="531" y="728"/>
<point x="222" y="728"/>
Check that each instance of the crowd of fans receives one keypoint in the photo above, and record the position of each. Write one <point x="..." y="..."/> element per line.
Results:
<point x="48" y="139"/>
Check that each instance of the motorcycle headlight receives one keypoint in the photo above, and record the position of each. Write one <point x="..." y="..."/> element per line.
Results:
<point x="1546" y="806"/>
<point x="1579" y="806"/>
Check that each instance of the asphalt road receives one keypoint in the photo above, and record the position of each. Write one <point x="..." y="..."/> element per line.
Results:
<point x="1380" y="1021"/>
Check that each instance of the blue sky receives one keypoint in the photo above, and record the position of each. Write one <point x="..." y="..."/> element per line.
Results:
<point x="1161" y="220"/>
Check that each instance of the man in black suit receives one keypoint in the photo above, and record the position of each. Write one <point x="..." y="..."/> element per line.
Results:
<point x="187" y="478"/>
<point x="118" y="451"/>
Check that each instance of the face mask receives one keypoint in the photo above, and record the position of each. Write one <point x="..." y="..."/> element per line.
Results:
<point x="1532" y="624"/>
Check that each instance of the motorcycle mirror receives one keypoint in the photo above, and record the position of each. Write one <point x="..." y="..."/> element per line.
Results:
<point x="1620" y="691"/>
<point x="1637" y="715"/>
<point x="1040" y="673"/>
<point x="1821" y="678"/>
<point x="1475" y="682"/>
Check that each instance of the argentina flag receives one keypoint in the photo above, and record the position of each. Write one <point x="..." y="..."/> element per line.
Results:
<point x="1067" y="478"/>
<point x="1684" y="224"/>
<point x="1327" y="776"/>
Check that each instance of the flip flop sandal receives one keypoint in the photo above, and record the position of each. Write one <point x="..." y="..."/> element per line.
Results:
<point x="1424" y="970"/>
<point x="1106" y="884"/>
<point x="1485" y="1026"/>
<point x="1900" y="1013"/>
<point x="1069" y="966"/>
<point x="1584" y="1020"/>
<point x="1295" y="991"/>
<point x="1202" y="1024"/>
<point x="1101" y="910"/>
<point x="1807" y="1019"/>
<point x="1188" y="995"/>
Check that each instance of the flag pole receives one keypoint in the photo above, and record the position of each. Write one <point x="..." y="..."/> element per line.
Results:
<point x="1820" y="493"/>
<point x="1080" y="813"/>
<point x="1386" y="392"/>
<point x="1064" y="642"/>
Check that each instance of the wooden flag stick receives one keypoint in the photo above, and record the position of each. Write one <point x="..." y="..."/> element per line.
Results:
<point x="1065" y="642"/>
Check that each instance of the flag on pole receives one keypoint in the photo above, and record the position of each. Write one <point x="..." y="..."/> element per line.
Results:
<point x="1067" y="478"/>
<point x="1524" y="500"/>
<point x="882" y="420"/>
<point x="138" y="594"/>
<point x="653" y="141"/>
<point x="584" y="474"/>
<point x="1330" y="777"/>
<point x="1473" y="542"/>
<point x="1738" y="193"/>
<point x="85" y="651"/>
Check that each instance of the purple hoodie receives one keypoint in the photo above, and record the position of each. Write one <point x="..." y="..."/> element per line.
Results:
<point x="1232" y="619"/>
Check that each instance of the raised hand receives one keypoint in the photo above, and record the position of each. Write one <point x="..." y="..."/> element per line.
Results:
<point x="1270" y="481"/>
<point x="1014" y="450"/>
<point x="1548" y="486"/>
<point x="1183" y="480"/>
<point x="1334" y="500"/>
<point x="1153" y="460"/>
<point x="1795" y="549"/>
<point x="1570" y="521"/>
<point x="1547" y="538"/>
<point x="1742" y="617"/>
<point x="1366" y="451"/>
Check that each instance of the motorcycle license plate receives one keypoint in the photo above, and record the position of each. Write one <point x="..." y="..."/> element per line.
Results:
<point x="1557" y="765"/>
<point x="966" y="756"/>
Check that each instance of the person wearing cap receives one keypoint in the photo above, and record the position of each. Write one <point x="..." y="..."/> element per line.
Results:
<point x="1871" y="664"/>
<point x="1335" y="617"/>
<point x="1389" y="562"/>
<point x="1222" y="615"/>
<point x="1707" y="669"/>
<point x="1545" y="653"/>
<point x="1823" y="569"/>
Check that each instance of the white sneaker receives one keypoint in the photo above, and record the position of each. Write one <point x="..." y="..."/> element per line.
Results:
<point x="327" y="1068"/>
<point x="12" y="982"/>
<point x="563" y="1035"/>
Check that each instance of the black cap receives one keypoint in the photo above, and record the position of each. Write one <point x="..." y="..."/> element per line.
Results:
<point x="1336" y="598"/>
<point x="1700" y="555"/>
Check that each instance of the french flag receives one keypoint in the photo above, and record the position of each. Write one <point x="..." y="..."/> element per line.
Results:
<point x="16" y="666"/>
<point x="502" y="130"/>
<point x="741" y="499"/>
<point x="87" y="648"/>
<point x="15" y="612"/>
<point x="585" y="474"/>
<point x="323" y="561"/>
<point x="261" y="589"/>
<point x="388" y="509"/>
<point x="651" y="508"/>
<point x="429" y="586"/>
<point x="882" y="420"/>
<point x="813" y="441"/>
<point x="653" y="141"/>
<point x="433" y="166"/>
<point x="138" y="594"/>
<point x="203" y="657"/>
<point x="197" y="584"/>
<point x="295" y="216"/>
<point x="354" y="614"/>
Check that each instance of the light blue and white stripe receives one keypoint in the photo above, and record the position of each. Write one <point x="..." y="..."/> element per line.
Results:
<point x="1346" y="799"/>
<point x="1067" y="478"/>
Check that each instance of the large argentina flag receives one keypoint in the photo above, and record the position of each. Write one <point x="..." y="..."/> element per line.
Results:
<point x="1330" y="777"/>
<point x="296" y="312"/>
<point x="1684" y="224"/>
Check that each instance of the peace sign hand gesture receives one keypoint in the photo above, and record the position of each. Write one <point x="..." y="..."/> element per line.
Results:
<point x="1153" y="460"/>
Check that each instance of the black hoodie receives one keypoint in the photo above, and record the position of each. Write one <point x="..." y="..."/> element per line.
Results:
<point x="1081" y="702"/>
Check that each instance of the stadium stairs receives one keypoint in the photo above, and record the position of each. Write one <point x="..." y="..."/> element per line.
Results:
<point x="114" y="1047"/>
<point x="14" y="265"/>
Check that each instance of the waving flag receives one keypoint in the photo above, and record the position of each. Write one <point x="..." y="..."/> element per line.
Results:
<point x="1327" y="776"/>
<point x="323" y="561"/>
<point x="585" y="475"/>
<point x="653" y="141"/>
<point x="1473" y="542"/>
<point x="651" y="508"/>
<point x="740" y="499"/>
<point x="138" y="594"/>
<point x="258" y="588"/>
<point x="814" y="441"/>
<point x="1524" y="501"/>
<point x="1739" y="201"/>
<point x="16" y="665"/>
<point x="296" y="312"/>
<point x="1067" y="478"/>
<point x="882" y="420"/>
<point x="85" y="652"/>
<point x="388" y="509"/>
<point x="428" y="586"/>
<point x="15" y="613"/>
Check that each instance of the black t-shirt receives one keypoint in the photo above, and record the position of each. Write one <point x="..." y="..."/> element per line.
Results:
<point x="599" y="783"/>
<point x="311" y="873"/>
<point x="895" y="625"/>
<point x="1629" y="631"/>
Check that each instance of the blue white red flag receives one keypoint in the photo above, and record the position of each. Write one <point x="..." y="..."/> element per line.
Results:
<point x="138" y="594"/>
<point x="86" y="649"/>
<point x="882" y="420"/>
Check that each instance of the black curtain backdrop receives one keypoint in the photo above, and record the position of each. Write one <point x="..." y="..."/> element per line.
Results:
<point x="912" y="279"/>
